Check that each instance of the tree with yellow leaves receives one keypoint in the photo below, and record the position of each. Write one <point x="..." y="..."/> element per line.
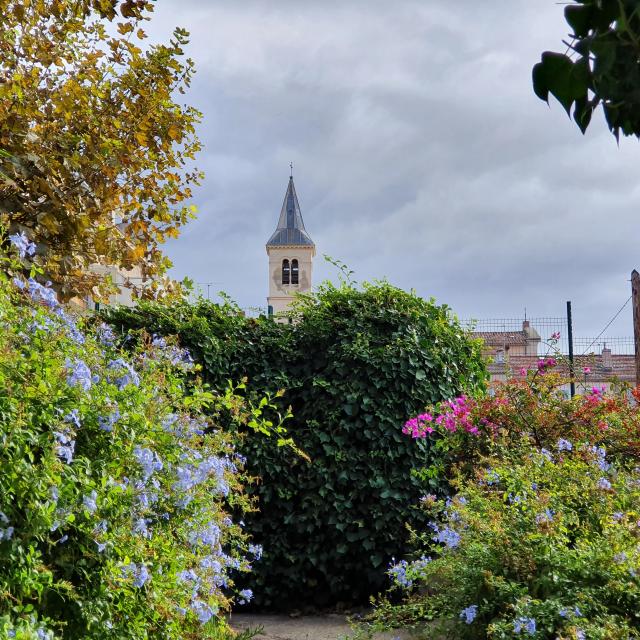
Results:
<point x="95" y="149"/>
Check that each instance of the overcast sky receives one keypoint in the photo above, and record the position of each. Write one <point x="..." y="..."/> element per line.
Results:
<point x="420" y="152"/>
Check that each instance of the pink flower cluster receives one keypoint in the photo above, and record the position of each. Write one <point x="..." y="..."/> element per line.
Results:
<point x="456" y="414"/>
<point x="546" y="363"/>
<point x="419" y="426"/>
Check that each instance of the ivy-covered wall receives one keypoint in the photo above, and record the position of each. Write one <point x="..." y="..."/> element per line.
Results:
<point x="354" y="366"/>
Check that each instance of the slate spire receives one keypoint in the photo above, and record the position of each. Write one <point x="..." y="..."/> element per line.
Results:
<point x="290" y="230"/>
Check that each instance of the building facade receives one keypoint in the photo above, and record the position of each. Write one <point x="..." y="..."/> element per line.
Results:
<point x="291" y="252"/>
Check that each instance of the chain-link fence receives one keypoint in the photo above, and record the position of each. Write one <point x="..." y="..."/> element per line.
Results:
<point x="514" y="331"/>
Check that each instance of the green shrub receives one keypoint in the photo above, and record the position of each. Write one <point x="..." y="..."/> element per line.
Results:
<point x="353" y="365"/>
<point x="542" y="539"/>
<point x="115" y="487"/>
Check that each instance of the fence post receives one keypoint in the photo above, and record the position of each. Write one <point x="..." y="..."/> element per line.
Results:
<point x="570" y="337"/>
<point x="635" y="295"/>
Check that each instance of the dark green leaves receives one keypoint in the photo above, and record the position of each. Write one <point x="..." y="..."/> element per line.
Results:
<point x="600" y="66"/>
<point x="356" y="365"/>
<point x="567" y="81"/>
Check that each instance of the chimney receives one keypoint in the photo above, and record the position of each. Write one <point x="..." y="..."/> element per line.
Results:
<point x="525" y="325"/>
<point x="607" y="358"/>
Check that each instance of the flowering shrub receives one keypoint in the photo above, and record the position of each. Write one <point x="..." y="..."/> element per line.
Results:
<point x="355" y="363"/>
<point x="115" y="489"/>
<point x="541" y="535"/>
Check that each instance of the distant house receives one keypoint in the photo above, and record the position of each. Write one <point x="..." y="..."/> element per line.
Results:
<point x="512" y="353"/>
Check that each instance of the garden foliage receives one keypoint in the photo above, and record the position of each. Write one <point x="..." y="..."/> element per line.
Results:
<point x="353" y="364"/>
<point x="598" y="66"/>
<point x="116" y="487"/>
<point x="96" y="145"/>
<point x="542" y="539"/>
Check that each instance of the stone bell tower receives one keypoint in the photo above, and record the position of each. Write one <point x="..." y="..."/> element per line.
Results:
<point x="291" y="252"/>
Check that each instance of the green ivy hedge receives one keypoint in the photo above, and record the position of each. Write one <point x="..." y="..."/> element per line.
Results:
<point x="353" y="366"/>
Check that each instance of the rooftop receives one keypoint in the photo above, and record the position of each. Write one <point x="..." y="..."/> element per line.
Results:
<point x="290" y="230"/>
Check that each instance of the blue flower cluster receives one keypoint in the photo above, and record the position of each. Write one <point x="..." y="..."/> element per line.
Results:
<point x="6" y="532"/>
<point x="469" y="614"/>
<point x="125" y="373"/>
<point x="447" y="536"/>
<point x="526" y="625"/>
<point x="404" y="573"/>
<point x="139" y="573"/>
<point x="24" y="246"/>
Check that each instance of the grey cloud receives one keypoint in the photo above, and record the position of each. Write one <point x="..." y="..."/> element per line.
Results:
<point x="420" y="154"/>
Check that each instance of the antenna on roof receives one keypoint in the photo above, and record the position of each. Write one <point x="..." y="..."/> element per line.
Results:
<point x="525" y="313"/>
<point x="291" y="167"/>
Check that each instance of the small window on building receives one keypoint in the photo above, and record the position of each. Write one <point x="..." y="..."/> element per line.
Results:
<point x="294" y="272"/>
<point x="499" y="355"/>
<point x="285" y="272"/>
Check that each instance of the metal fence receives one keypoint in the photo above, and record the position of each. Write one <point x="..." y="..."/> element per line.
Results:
<point x="546" y="328"/>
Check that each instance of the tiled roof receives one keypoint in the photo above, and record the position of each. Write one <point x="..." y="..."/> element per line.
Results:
<point x="290" y="229"/>
<point x="622" y="367"/>
<point x="502" y="338"/>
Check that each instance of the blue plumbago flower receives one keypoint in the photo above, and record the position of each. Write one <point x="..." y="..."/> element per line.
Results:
<point x="140" y="527"/>
<point x="617" y="516"/>
<point x="447" y="536"/>
<point x="514" y="499"/>
<point x="41" y="293"/>
<point x="534" y="486"/>
<point x="102" y="526"/>
<point x="564" y="445"/>
<point x="3" y="518"/>
<point x="105" y="335"/>
<point x="580" y="634"/>
<point x="65" y="446"/>
<point x="168" y="422"/>
<point x="7" y="533"/>
<point x="140" y="573"/>
<point x="159" y="341"/>
<point x="398" y="573"/>
<point x="255" y="550"/>
<point x="547" y="516"/>
<point x="209" y="536"/>
<point x="63" y="539"/>
<point x="106" y="423"/>
<point x="547" y="454"/>
<point x="101" y="546"/>
<point x="89" y="502"/>
<point x="245" y="596"/>
<point x="79" y="374"/>
<point x="70" y="325"/>
<point x="127" y="373"/>
<point x="73" y="417"/>
<point x="469" y="614"/>
<point x="604" y="484"/>
<point x="202" y="610"/>
<point x="24" y="246"/>
<point x="148" y="460"/>
<point x="601" y="457"/>
<point x="528" y="625"/>
<point x="404" y="573"/>
<point x="621" y="557"/>
<point x="492" y="477"/>
<point x="18" y="282"/>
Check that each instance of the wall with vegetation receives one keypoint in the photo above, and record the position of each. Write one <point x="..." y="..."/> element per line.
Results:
<point x="353" y="366"/>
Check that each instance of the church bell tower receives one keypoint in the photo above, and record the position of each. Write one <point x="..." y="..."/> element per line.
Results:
<point x="291" y="252"/>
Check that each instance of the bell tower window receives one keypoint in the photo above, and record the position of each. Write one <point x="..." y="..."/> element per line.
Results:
<point x="294" y="272"/>
<point x="285" y="272"/>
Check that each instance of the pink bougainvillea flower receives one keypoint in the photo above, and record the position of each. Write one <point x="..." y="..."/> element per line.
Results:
<point x="586" y="370"/>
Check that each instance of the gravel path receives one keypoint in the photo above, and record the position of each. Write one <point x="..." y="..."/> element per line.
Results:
<point x="327" y="627"/>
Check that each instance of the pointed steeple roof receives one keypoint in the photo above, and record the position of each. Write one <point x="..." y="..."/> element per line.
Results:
<point x="290" y="229"/>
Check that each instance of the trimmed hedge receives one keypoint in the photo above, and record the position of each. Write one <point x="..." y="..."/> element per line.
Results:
<point x="354" y="365"/>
